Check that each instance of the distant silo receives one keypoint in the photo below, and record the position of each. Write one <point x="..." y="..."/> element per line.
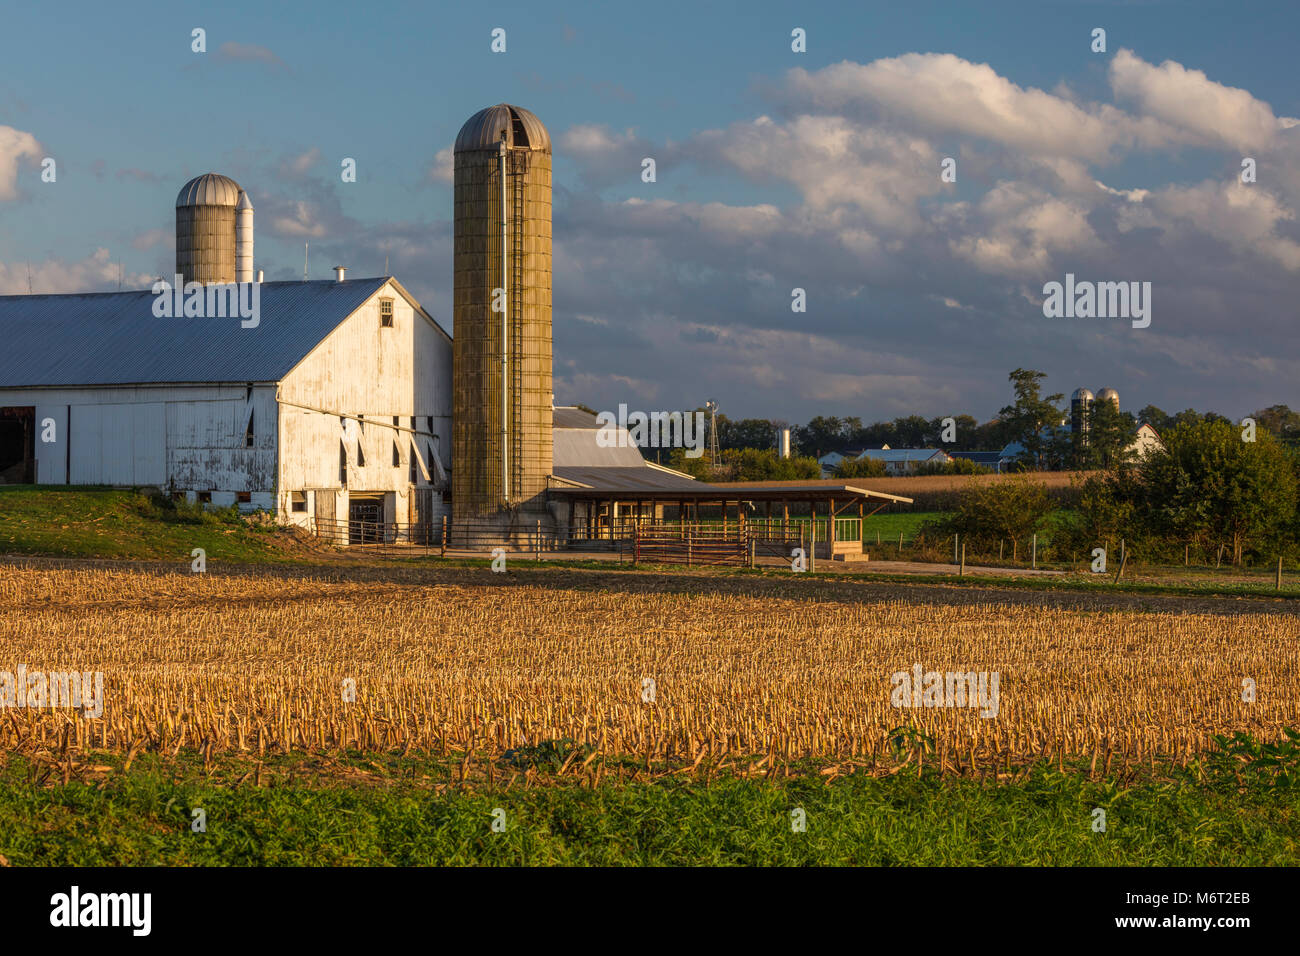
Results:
<point x="783" y="443"/>
<point x="1109" y="395"/>
<point x="244" y="238"/>
<point x="501" y="451"/>
<point x="208" y="238"/>
<point x="1080" y="408"/>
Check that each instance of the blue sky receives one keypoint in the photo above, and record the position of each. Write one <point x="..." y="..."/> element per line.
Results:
<point x="921" y="295"/>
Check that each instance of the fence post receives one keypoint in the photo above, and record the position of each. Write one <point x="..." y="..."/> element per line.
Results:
<point x="690" y="538"/>
<point x="1186" y="548"/>
<point x="961" y="569"/>
<point x="537" y="541"/>
<point x="443" y="552"/>
<point x="1034" y="556"/>
<point x="751" y="555"/>
<point x="955" y="539"/>
<point x="1277" y="582"/>
<point x="1123" y="559"/>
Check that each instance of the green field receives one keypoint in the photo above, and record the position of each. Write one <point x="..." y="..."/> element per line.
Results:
<point x="394" y="814"/>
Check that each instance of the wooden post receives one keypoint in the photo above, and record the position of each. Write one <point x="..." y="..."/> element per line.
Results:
<point x="1186" y="549"/>
<point x="689" y="540"/>
<point x="955" y="539"/>
<point x="537" y="541"/>
<point x="961" y="570"/>
<point x="1277" y="581"/>
<point x="1034" y="557"/>
<point x="443" y="553"/>
<point x="751" y="552"/>
<point x="1001" y="543"/>
<point x="1123" y="559"/>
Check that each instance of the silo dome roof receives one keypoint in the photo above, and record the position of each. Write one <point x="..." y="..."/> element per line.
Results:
<point x="1108" y="395"/>
<point x="1081" y="395"/>
<point x="523" y="130"/>
<point x="210" y="189"/>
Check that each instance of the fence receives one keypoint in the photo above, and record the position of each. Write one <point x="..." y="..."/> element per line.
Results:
<point x="665" y="544"/>
<point x="399" y="539"/>
<point x="691" y="544"/>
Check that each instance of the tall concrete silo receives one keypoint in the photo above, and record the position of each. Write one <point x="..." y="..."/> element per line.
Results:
<point x="1080" y="408"/>
<point x="1109" y="395"/>
<point x="501" y="381"/>
<point x="214" y="231"/>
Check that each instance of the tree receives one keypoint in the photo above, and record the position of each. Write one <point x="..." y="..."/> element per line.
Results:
<point x="1208" y="484"/>
<point x="754" y="464"/>
<point x="1109" y="436"/>
<point x="1031" y="414"/>
<point x="821" y="435"/>
<point x="747" y="433"/>
<point x="860" y="468"/>
<point x="1157" y="418"/>
<point x="1281" y="421"/>
<point x="1008" y="508"/>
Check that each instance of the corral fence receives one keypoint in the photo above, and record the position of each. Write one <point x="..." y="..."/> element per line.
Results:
<point x="438" y="536"/>
<point x="691" y="544"/>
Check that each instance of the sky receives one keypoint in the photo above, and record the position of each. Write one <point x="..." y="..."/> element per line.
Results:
<point x="775" y="170"/>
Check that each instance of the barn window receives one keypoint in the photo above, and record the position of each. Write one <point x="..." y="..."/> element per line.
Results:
<point x="244" y="497"/>
<point x="298" y="501"/>
<point x="205" y="497"/>
<point x="386" y="313"/>
<point x="361" y="456"/>
<point x="414" y="477"/>
<point x="248" y="432"/>
<point x="343" y="463"/>
<point x="397" y="456"/>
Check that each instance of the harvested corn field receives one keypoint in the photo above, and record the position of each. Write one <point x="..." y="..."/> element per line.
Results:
<point x="669" y="669"/>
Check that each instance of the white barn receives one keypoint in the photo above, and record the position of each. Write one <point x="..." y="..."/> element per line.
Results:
<point x="336" y="405"/>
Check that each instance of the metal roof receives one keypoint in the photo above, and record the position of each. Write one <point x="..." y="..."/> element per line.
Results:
<point x="570" y="416"/>
<point x="483" y="130"/>
<point x="210" y="189"/>
<point x="634" y="484"/>
<point x="113" y="338"/>
<point x="902" y="454"/>
<point x="622" y="480"/>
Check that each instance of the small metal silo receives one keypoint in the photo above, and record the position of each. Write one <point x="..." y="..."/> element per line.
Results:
<point x="1080" y="408"/>
<point x="205" y="229"/>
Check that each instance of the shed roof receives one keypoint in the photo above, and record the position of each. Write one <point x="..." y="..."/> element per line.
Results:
<point x="113" y="338"/>
<point x="902" y="454"/>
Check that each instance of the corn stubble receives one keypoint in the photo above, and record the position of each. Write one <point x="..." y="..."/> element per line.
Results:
<point x="256" y="665"/>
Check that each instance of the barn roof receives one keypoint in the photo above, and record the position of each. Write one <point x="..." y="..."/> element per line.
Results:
<point x="113" y="338"/>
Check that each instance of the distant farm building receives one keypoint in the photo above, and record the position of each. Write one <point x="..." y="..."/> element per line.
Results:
<point x="905" y="461"/>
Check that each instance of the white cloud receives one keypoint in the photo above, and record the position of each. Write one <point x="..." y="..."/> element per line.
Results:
<point x="16" y="146"/>
<point x="1210" y="112"/>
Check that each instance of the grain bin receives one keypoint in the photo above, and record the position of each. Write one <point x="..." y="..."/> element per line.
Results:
<point x="207" y="237"/>
<point x="1080" y="409"/>
<point x="501" y="450"/>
